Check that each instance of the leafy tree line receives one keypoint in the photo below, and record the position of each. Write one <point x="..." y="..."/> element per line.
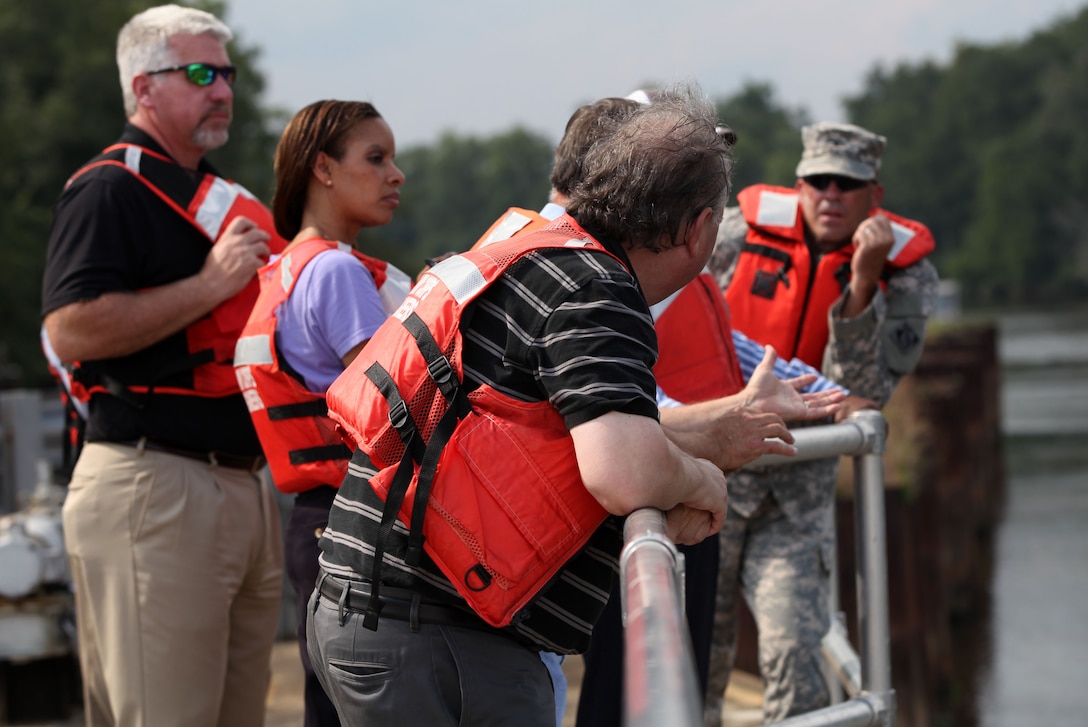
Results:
<point x="987" y="150"/>
<point x="991" y="152"/>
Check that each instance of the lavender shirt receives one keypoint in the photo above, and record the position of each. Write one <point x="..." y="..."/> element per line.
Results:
<point x="334" y="307"/>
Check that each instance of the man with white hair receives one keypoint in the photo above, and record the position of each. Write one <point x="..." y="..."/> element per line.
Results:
<point x="173" y="538"/>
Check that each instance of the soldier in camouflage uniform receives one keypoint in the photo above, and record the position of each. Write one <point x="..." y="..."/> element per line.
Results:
<point x="778" y="543"/>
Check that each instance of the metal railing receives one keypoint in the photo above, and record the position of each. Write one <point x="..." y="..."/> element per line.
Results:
<point x="659" y="674"/>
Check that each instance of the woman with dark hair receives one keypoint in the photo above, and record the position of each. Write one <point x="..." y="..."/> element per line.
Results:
<point x="320" y="302"/>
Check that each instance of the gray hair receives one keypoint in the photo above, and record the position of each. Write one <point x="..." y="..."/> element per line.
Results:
<point x="649" y="177"/>
<point x="144" y="42"/>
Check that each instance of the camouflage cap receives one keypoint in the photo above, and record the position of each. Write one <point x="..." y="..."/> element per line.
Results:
<point x="831" y="148"/>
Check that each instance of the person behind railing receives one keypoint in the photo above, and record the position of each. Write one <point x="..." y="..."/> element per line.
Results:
<point x="556" y="351"/>
<point x="822" y="273"/>
<point x="173" y="536"/>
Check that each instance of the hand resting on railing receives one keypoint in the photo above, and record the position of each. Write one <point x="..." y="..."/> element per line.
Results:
<point x="734" y="430"/>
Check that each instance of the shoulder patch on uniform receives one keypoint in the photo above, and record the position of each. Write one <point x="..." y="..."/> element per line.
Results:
<point x="905" y="337"/>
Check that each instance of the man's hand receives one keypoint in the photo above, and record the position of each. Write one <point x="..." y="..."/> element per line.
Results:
<point x="852" y="404"/>
<point x="235" y="258"/>
<point x="873" y="240"/>
<point x="728" y="434"/>
<point x="768" y="394"/>
<point x="695" y="520"/>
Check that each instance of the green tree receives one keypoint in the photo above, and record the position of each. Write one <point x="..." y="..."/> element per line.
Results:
<point x="990" y="152"/>
<point x="61" y="105"/>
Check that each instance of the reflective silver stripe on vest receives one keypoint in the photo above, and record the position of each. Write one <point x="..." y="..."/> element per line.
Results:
<point x="903" y="235"/>
<point x="777" y="209"/>
<point x="507" y="228"/>
<point x="287" y="277"/>
<point x="253" y="350"/>
<point x="460" y="276"/>
<point x="133" y="154"/>
<point x="464" y="279"/>
<point x="213" y="210"/>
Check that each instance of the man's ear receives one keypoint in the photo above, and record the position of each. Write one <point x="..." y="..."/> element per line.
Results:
<point x="694" y="234"/>
<point x="141" y="88"/>
<point x="878" y="194"/>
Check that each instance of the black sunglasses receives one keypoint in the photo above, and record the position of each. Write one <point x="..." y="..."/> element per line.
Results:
<point x="845" y="184"/>
<point x="202" y="74"/>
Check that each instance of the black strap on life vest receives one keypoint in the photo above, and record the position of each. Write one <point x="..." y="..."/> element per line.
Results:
<point x="305" y="410"/>
<point x="415" y="453"/>
<point x="401" y="419"/>
<point x="314" y="408"/>
<point x="774" y="254"/>
<point x="138" y="400"/>
<point x="72" y="435"/>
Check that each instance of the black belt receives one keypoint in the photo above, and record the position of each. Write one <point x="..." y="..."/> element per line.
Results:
<point x="397" y="603"/>
<point x="223" y="459"/>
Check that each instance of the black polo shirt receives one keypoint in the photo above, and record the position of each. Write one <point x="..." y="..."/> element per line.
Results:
<point x="111" y="233"/>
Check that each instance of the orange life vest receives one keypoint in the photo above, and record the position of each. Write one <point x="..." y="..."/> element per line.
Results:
<point x="210" y="339"/>
<point x="780" y="294"/>
<point x="696" y="360"/>
<point x="498" y="477"/>
<point x="300" y="442"/>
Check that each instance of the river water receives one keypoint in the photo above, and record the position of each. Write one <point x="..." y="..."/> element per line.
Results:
<point x="1038" y="646"/>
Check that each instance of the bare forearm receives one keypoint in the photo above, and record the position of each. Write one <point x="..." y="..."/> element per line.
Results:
<point x="694" y="416"/>
<point x="633" y="465"/>
<point x="857" y="298"/>
<point x="697" y="429"/>
<point x="118" y="324"/>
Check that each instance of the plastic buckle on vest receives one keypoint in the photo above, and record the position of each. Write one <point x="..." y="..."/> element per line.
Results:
<point x="442" y="374"/>
<point x="398" y="416"/>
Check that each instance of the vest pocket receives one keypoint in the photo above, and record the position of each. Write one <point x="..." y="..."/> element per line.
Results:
<point x="511" y="504"/>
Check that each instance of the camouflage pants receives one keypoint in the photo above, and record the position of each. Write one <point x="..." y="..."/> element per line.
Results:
<point x="782" y="568"/>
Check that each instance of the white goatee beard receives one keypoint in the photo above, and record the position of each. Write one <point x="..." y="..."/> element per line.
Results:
<point x="208" y="139"/>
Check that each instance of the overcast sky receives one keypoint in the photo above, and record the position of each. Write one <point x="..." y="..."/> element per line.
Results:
<point x="483" y="66"/>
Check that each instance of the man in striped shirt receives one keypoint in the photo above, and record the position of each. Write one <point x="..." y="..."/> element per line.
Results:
<point x="571" y="327"/>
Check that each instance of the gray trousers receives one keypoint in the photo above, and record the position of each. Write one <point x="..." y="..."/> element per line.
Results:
<point x="434" y="676"/>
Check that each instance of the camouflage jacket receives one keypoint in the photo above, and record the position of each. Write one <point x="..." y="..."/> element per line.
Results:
<point x="868" y="355"/>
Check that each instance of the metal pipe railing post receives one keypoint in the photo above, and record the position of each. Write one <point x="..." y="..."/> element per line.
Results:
<point x="872" y="556"/>
<point x="863" y="438"/>
<point x="659" y="673"/>
<point x="659" y="669"/>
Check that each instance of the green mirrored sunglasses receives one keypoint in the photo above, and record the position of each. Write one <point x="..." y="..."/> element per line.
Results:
<point x="202" y="74"/>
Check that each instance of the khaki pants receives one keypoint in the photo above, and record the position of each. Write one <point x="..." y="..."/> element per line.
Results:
<point x="177" y="568"/>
